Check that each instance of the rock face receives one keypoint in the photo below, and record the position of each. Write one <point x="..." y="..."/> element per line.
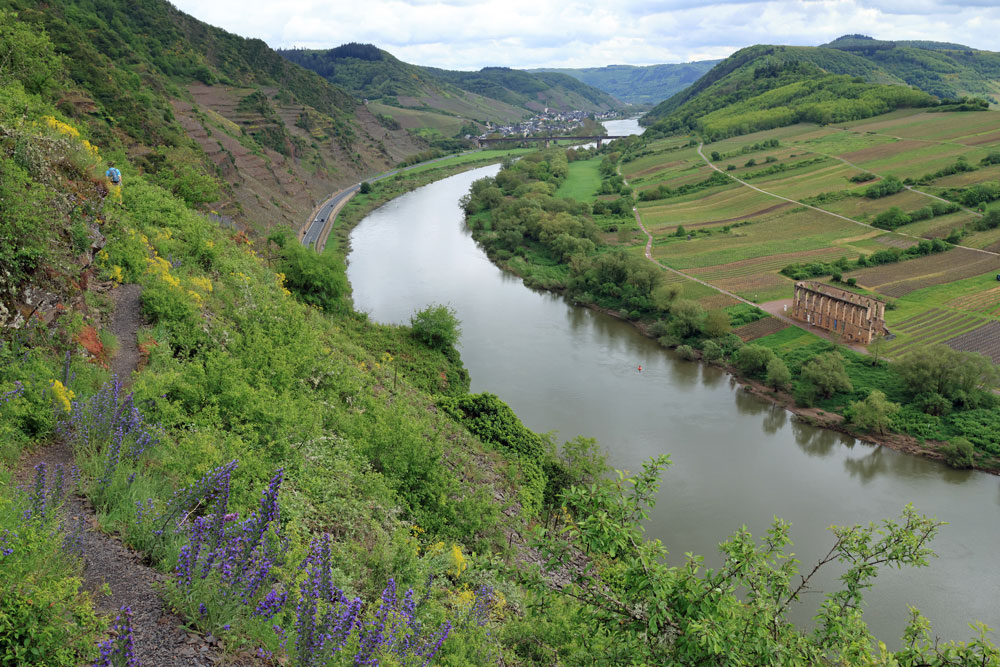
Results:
<point x="856" y="317"/>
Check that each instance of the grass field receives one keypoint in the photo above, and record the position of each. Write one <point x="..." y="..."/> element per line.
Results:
<point x="582" y="182"/>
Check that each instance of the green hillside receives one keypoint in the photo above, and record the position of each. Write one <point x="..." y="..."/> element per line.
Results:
<point x="763" y="86"/>
<point x="494" y="94"/>
<point x="943" y="69"/>
<point x="649" y="84"/>
<point x="224" y="120"/>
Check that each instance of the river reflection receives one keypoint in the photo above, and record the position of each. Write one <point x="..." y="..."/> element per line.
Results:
<point x="736" y="459"/>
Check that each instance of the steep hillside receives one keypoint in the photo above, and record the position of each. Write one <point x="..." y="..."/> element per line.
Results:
<point x="764" y="86"/>
<point x="494" y="94"/>
<point x="941" y="68"/>
<point x="223" y="121"/>
<point x="650" y="84"/>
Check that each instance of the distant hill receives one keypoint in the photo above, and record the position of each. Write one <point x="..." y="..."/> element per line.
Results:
<point x="761" y="87"/>
<point x="943" y="69"/>
<point x="494" y="94"/>
<point x="649" y="84"/>
<point x="223" y="119"/>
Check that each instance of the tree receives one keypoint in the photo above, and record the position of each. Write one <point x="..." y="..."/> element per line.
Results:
<point x="876" y="347"/>
<point x="778" y="375"/>
<point x="753" y="359"/>
<point x="436" y="326"/>
<point x="665" y="295"/>
<point x="874" y="413"/>
<point x="317" y="279"/>
<point x="717" y="323"/>
<point x="711" y="351"/>
<point x="824" y="375"/>
<point x="629" y="606"/>
<point x="687" y="318"/>
<point x="941" y="370"/>
<point x="27" y="55"/>
<point x="365" y="188"/>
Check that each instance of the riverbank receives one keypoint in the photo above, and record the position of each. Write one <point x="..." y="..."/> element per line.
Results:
<point x="385" y="190"/>
<point x="900" y="442"/>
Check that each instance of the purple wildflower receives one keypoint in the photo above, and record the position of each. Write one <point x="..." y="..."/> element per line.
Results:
<point x="122" y="645"/>
<point x="13" y="393"/>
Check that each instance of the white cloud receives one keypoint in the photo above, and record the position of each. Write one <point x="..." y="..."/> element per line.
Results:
<point x="469" y="34"/>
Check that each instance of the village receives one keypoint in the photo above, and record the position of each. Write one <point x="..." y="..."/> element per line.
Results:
<point x="547" y="122"/>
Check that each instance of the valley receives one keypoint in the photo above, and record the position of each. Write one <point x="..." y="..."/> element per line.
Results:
<point x="519" y="406"/>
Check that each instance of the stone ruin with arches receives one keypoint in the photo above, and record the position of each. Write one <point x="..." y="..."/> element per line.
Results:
<point x="855" y="317"/>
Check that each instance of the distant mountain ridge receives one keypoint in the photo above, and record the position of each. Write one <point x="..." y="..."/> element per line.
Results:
<point x="492" y="94"/>
<point x="635" y="84"/>
<point x="765" y="86"/>
<point x="944" y="69"/>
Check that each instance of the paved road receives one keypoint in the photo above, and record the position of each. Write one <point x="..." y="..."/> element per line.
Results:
<point x="316" y="226"/>
<point x="322" y="219"/>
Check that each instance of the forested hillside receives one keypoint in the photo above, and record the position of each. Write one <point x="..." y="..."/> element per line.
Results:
<point x="648" y="84"/>
<point x="495" y="94"/>
<point x="221" y="120"/>
<point x="761" y="87"/>
<point x="764" y="86"/>
<point x="940" y="68"/>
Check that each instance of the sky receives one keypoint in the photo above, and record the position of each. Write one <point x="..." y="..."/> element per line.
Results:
<point x="470" y="34"/>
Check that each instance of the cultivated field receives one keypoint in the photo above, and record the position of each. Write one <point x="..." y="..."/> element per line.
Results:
<point x="901" y="278"/>
<point x="738" y="238"/>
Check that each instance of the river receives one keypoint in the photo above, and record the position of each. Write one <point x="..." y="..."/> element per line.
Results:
<point x="736" y="459"/>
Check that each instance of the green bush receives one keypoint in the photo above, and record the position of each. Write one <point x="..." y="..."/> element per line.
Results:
<point x="890" y="185"/>
<point x="317" y="279"/>
<point x="752" y="360"/>
<point x="436" y="326"/>
<point x="685" y="352"/>
<point x="959" y="453"/>
<point x="711" y="351"/>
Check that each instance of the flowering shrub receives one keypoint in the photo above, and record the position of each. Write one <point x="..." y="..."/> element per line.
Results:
<point x="44" y="620"/>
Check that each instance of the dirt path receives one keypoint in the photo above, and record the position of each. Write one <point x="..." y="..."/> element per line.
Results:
<point x="125" y="321"/>
<point x="160" y="639"/>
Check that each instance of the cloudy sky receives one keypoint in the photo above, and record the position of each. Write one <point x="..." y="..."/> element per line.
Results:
<point x="469" y="34"/>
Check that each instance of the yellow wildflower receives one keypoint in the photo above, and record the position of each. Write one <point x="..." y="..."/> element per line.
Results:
<point x="458" y="561"/>
<point x="63" y="396"/>
<point x="202" y="285"/>
<point x="61" y="127"/>
<point x="463" y="599"/>
<point x="116" y="274"/>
